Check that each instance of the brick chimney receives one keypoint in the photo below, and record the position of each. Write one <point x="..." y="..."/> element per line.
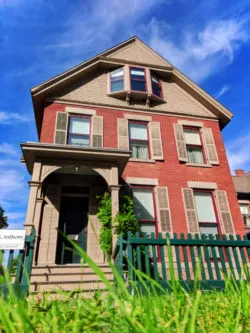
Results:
<point x="239" y="172"/>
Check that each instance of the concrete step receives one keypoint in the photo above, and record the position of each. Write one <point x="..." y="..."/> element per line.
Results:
<point x="62" y="277"/>
<point x="71" y="268"/>
<point x="84" y="286"/>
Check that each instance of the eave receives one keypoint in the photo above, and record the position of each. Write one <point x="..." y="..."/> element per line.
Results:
<point x="33" y="151"/>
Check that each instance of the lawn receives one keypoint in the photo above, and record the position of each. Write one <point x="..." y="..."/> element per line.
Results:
<point x="118" y="310"/>
<point x="226" y="311"/>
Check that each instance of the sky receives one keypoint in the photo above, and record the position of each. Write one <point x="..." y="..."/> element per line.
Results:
<point x="208" y="40"/>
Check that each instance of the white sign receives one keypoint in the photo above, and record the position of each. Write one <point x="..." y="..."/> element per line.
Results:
<point x="12" y="239"/>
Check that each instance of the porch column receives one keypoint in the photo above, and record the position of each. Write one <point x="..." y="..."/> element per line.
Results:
<point x="34" y="186"/>
<point x="37" y="222"/>
<point x="114" y="189"/>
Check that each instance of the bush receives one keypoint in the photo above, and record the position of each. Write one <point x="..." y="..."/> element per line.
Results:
<point x="105" y="216"/>
<point x="125" y="220"/>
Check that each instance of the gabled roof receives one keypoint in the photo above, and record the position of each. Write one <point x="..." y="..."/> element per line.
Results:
<point x="132" y="51"/>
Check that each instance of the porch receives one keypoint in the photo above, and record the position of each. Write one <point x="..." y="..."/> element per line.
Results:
<point x="63" y="197"/>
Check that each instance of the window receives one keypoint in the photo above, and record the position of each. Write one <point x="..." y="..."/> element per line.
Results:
<point x="244" y="209"/>
<point x="79" y="131"/>
<point x="138" y="79"/>
<point x="138" y="140"/>
<point x="206" y="214"/>
<point x="144" y="208"/>
<point x="117" y="80"/>
<point x="156" y="87"/>
<point x="194" y="145"/>
<point x="245" y="214"/>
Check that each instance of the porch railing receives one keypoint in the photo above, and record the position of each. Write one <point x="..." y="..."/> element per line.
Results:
<point x="208" y="259"/>
<point x="16" y="274"/>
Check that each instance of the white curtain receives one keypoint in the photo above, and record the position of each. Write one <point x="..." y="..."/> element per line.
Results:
<point x="205" y="207"/>
<point x="192" y="137"/>
<point x="79" y="125"/>
<point x="143" y="202"/>
<point x="138" y="131"/>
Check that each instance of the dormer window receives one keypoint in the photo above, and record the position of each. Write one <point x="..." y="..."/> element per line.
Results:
<point x="138" y="79"/>
<point x="117" y="80"/>
<point x="156" y="86"/>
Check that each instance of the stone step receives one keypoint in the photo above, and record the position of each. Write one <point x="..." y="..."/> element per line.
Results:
<point x="42" y="269"/>
<point x="62" y="277"/>
<point x="84" y="286"/>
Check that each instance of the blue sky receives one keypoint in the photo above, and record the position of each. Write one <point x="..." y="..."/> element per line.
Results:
<point x="208" y="40"/>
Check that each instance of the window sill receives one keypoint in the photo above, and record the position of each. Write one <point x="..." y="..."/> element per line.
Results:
<point x="199" y="165"/>
<point x="141" y="160"/>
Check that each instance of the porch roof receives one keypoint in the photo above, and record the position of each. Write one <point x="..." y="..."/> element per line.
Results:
<point x="33" y="151"/>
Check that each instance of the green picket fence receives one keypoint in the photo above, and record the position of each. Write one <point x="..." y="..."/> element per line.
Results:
<point x="16" y="274"/>
<point x="209" y="260"/>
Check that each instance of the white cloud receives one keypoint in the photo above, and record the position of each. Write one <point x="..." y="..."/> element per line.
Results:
<point x="201" y="53"/>
<point x="10" y="117"/>
<point x="94" y="29"/>
<point x="238" y="153"/>
<point x="12" y="216"/>
<point x="8" y="149"/>
<point x="12" y="185"/>
<point x="222" y="91"/>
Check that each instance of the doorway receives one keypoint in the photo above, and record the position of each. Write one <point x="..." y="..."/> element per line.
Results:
<point x="73" y="223"/>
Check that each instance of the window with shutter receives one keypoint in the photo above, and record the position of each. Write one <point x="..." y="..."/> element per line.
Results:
<point x="190" y="210"/>
<point x="209" y="145"/>
<point x="97" y="131"/>
<point x="164" y="209"/>
<point x="61" y="128"/>
<point x="123" y="138"/>
<point x="224" y="212"/>
<point x="155" y="141"/>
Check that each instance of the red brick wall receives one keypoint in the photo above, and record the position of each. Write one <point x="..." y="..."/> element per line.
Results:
<point x="169" y="172"/>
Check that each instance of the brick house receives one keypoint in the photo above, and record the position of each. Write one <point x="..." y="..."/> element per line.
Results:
<point x="125" y="120"/>
<point x="241" y="182"/>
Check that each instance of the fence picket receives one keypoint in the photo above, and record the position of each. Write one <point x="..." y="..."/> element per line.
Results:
<point x="184" y="250"/>
<point x="192" y="254"/>
<point x="178" y="259"/>
<point x="222" y="257"/>
<point x="229" y="258"/>
<point x="156" y="275"/>
<point x="163" y="265"/>
<point x="201" y="261"/>
<point x="138" y="253"/>
<point x="215" y="259"/>
<point x="147" y="264"/>
<point x="242" y="253"/>
<point x="236" y="258"/>
<point x="207" y="257"/>
<point x="10" y="260"/>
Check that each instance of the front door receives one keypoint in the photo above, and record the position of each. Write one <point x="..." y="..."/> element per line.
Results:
<point x="73" y="223"/>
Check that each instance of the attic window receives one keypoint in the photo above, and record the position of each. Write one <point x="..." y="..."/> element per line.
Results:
<point x="138" y="79"/>
<point x="156" y="86"/>
<point x="117" y="80"/>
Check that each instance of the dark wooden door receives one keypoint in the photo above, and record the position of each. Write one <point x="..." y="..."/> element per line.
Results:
<point x="73" y="223"/>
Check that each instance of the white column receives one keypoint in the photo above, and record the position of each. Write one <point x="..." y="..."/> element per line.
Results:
<point x="34" y="186"/>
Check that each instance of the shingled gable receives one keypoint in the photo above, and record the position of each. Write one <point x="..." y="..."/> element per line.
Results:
<point x="132" y="51"/>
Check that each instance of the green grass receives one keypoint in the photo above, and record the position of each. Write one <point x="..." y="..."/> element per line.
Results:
<point x="117" y="310"/>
